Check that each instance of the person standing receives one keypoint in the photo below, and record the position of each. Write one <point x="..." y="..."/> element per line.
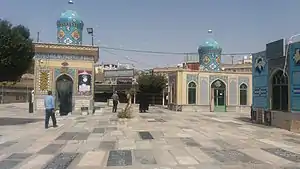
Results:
<point x="49" y="110"/>
<point x="115" y="99"/>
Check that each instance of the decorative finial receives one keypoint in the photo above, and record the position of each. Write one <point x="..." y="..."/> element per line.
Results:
<point x="70" y="2"/>
<point x="209" y="31"/>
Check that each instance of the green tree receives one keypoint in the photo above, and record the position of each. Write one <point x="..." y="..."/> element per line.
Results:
<point x="16" y="51"/>
<point x="151" y="83"/>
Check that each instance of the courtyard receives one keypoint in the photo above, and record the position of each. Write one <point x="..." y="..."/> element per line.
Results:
<point x="160" y="139"/>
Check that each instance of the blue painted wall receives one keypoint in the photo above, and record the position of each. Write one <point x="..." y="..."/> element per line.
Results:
<point x="294" y="76"/>
<point x="260" y="80"/>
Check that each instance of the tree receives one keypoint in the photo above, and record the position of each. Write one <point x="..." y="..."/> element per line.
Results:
<point x="16" y="51"/>
<point x="151" y="83"/>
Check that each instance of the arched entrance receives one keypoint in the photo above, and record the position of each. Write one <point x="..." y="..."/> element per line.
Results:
<point x="64" y="93"/>
<point x="218" y="96"/>
<point x="279" y="96"/>
<point x="192" y="94"/>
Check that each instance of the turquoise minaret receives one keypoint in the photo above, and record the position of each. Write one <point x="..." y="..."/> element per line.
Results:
<point x="210" y="54"/>
<point x="69" y="27"/>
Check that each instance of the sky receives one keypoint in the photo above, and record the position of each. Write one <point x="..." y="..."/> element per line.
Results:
<point x="162" y="25"/>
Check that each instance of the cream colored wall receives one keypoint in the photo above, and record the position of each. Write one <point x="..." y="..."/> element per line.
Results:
<point x="182" y="85"/>
<point x="179" y="91"/>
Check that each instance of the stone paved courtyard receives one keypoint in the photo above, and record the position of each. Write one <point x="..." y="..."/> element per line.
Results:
<point x="160" y="139"/>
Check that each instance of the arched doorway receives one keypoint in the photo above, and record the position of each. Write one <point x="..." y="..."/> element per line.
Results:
<point x="192" y="93"/>
<point x="280" y="91"/>
<point x="243" y="94"/>
<point x="64" y="93"/>
<point x="218" y="96"/>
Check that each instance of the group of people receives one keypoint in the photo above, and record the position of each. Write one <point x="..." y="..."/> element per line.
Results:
<point x="144" y="104"/>
<point x="49" y="103"/>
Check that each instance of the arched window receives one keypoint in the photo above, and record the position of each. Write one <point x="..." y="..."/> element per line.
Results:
<point x="192" y="93"/>
<point x="280" y="99"/>
<point x="243" y="94"/>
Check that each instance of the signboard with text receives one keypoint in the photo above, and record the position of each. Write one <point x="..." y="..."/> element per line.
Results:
<point x="119" y="73"/>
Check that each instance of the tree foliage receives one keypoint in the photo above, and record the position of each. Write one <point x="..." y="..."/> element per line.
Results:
<point x="151" y="83"/>
<point x="16" y="51"/>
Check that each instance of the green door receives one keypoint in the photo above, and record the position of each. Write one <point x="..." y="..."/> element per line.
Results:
<point x="220" y="100"/>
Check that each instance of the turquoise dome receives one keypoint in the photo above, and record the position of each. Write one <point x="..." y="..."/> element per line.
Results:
<point x="71" y="16"/>
<point x="69" y="28"/>
<point x="210" y="55"/>
<point x="210" y="43"/>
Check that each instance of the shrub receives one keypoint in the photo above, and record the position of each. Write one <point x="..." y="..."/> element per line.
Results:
<point x="125" y="113"/>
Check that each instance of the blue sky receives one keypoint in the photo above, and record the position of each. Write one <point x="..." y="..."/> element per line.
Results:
<point x="163" y="25"/>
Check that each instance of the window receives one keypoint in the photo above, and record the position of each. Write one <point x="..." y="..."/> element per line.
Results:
<point x="243" y="94"/>
<point x="279" y="97"/>
<point x="192" y="93"/>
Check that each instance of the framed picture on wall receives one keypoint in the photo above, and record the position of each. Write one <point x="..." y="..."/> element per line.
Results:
<point x="84" y="81"/>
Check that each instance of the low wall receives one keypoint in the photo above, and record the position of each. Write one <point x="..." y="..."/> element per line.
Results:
<point x="285" y="120"/>
<point x="206" y="108"/>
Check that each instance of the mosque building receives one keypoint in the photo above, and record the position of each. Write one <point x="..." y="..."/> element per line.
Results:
<point x="66" y="68"/>
<point x="209" y="88"/>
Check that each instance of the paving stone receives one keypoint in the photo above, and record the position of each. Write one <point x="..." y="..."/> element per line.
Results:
<point x="107" y="145"/>
<point x="61" y="161"/>
<point x="37" y="162"/>
<point x="92" y="159"/>
<point x="109" y="129"/>
<point x="293" y="141"/>
<point x="71" y="147"/>
<point x="291" y="156"/>
<point x="81" y="136"/>
<point x="119" y="158"/>
<point x="103" y="123"/>
<point x="199" y="155"/>
<point x="9" y="121"/>
<point x="143" y="145"/>
<point x="51" y="149"/>
<point x="157" y="134"/>
<point x="8" y="164"/>
<point x="164" y="157"/>
<point x="296" y="136"/>
<point x="18" y="156"/>
<point x="190" y="142"/>
<point x="265" y="157"/>
<point x="231" y="156"/>
<point x="292" y="167"/>
<point x="113" y="119"/>
<point x="145" y="135"/>
<point x="183" y="157"/>
<point x="192" y="120"/>
<point x="160" y="120"/>
<point x="223" y="144"/>
<point x="126" y="144"/>
<point x="66" y="136"/>
<point x="144" y="156"/>
<point x="7" y="144"/>
<point x="99" y="130"/>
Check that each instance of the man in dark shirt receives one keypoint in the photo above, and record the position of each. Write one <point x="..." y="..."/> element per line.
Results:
<point x="49" y="109"/>
<point x="115" y="99"/>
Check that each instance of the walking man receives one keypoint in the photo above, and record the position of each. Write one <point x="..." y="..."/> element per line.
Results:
<point x="115" y="99"/>
<point x="49" y="110"/>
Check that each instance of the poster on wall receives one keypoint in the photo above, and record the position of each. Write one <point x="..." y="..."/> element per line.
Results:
<point x="84" y="81"/>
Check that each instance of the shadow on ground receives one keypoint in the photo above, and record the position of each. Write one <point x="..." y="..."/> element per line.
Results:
<point x="248" y="120"/>
<point x="7" y="121"/>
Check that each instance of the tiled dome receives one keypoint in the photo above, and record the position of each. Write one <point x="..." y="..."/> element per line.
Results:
<point x="210" y="55"/>
<point x="70" y="16"/>
<point x="210" y="43"/>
